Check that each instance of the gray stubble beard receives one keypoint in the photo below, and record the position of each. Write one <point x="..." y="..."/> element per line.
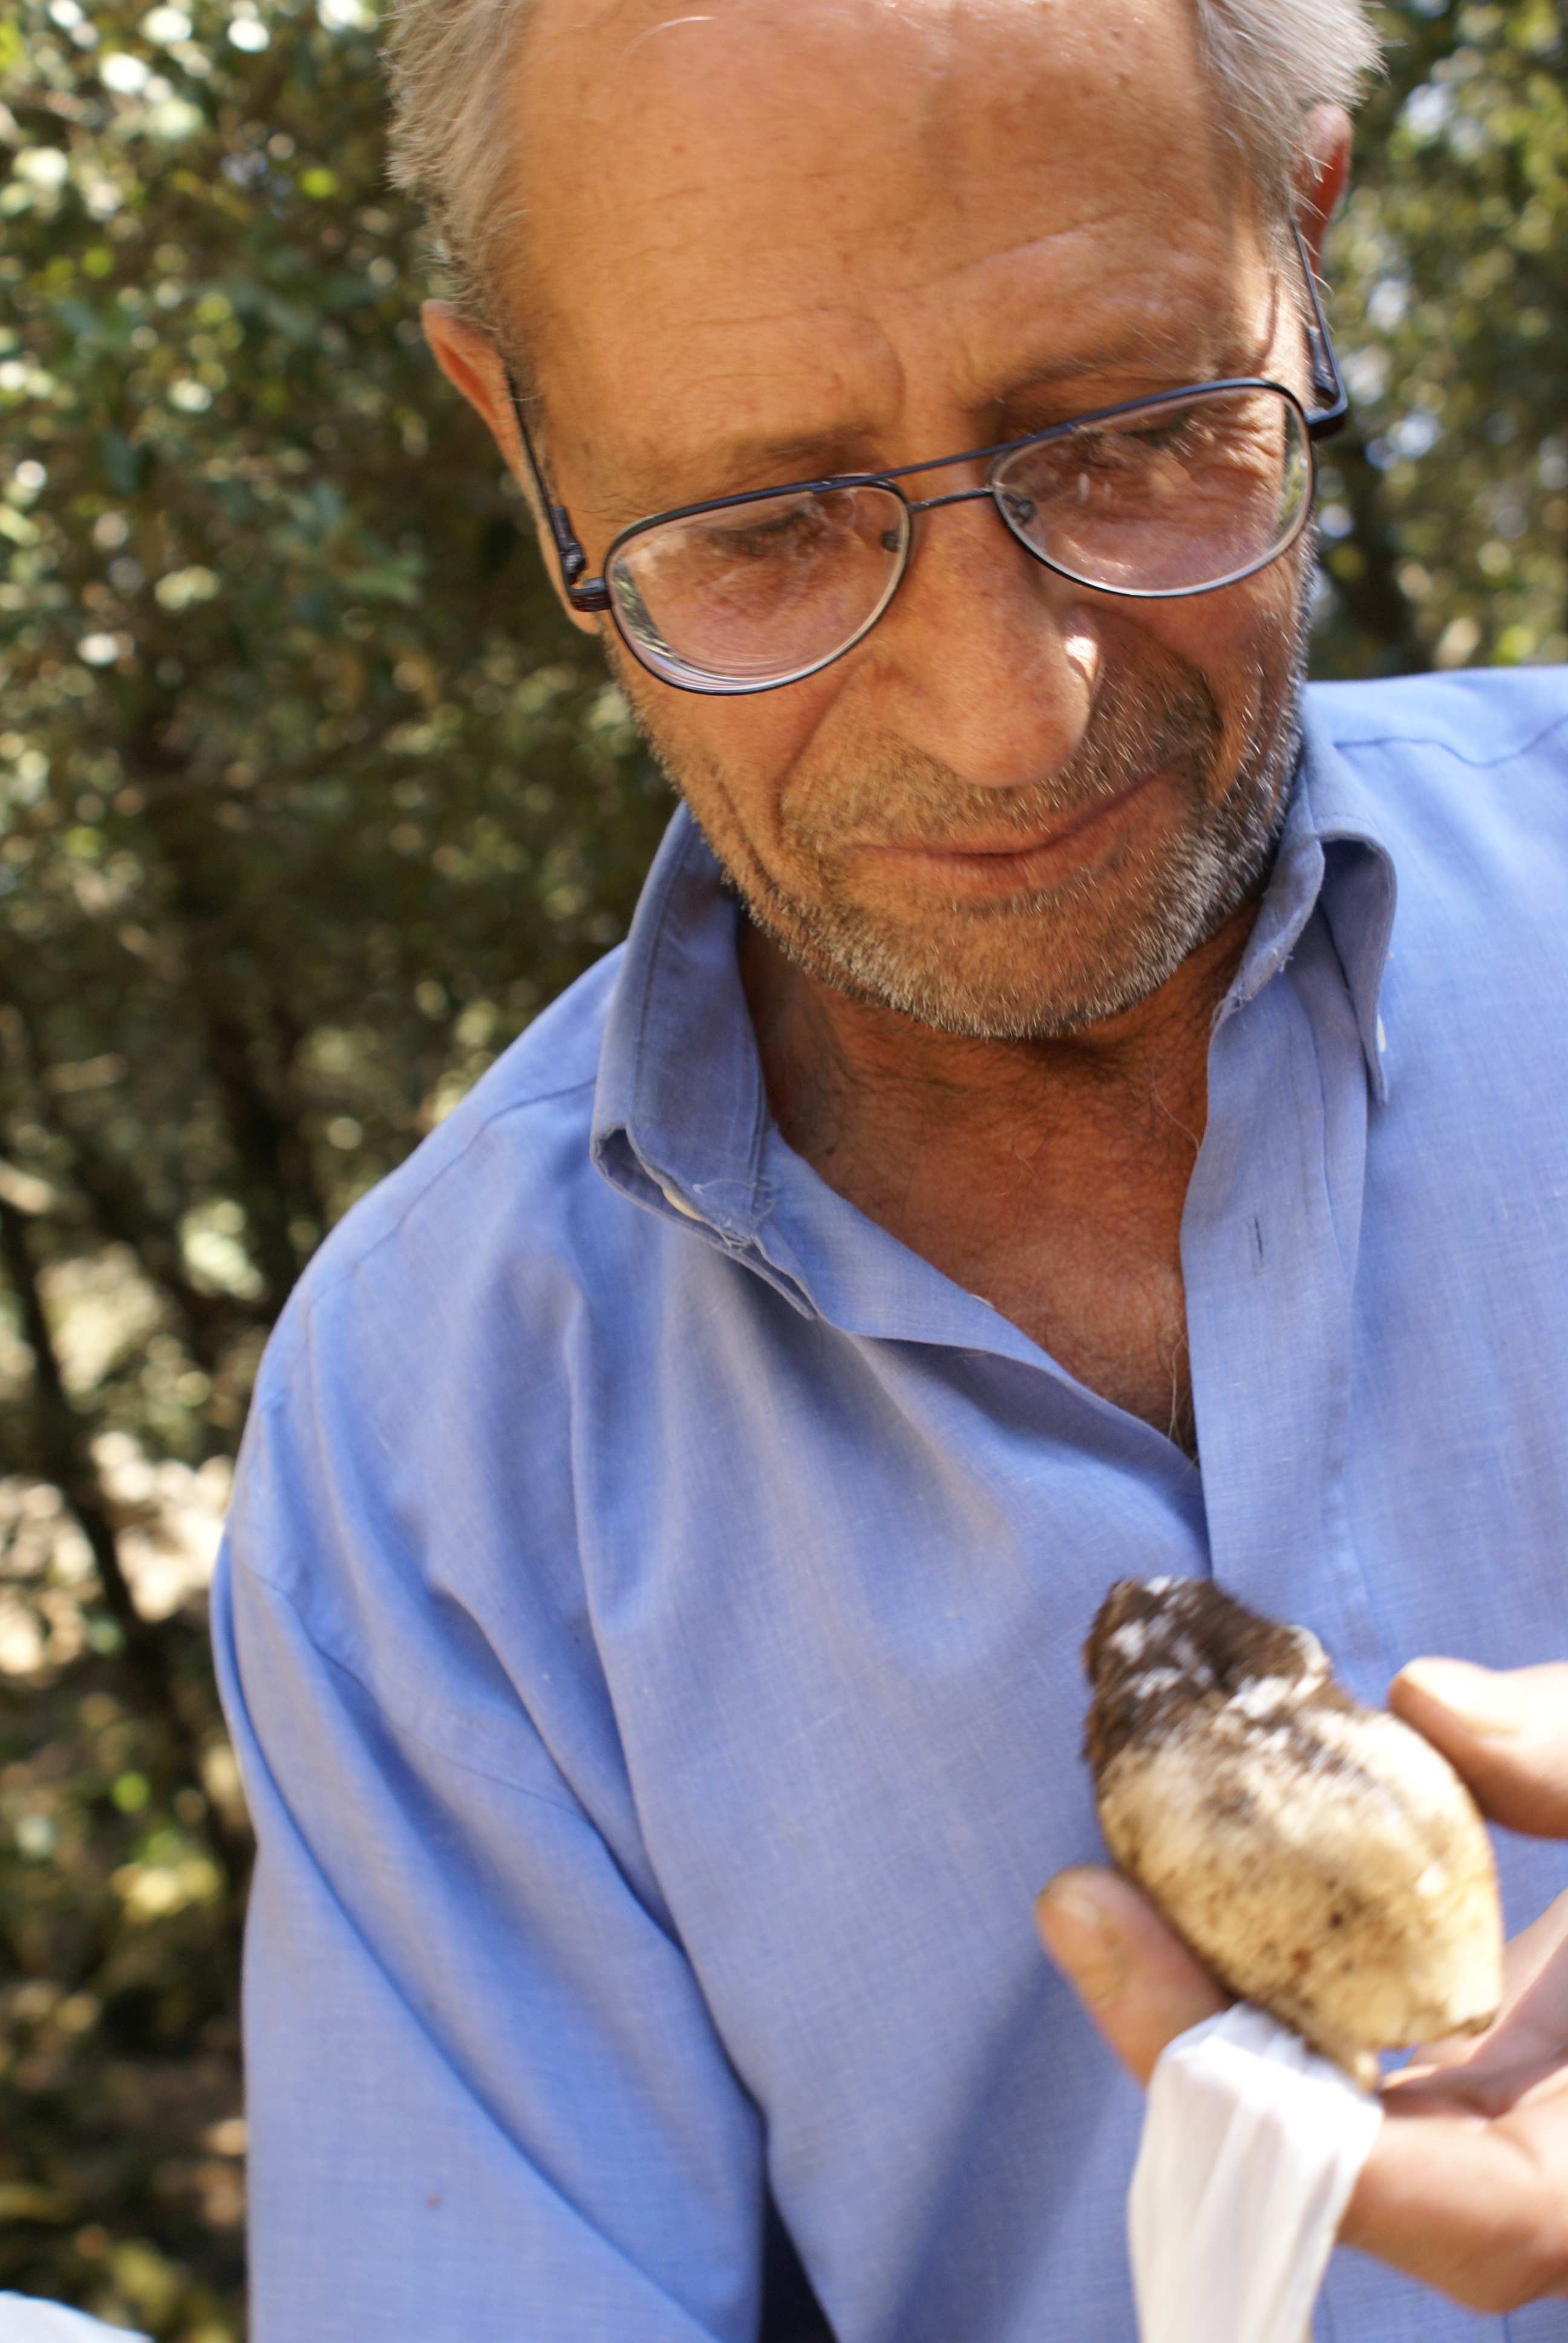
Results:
<point x="1172" y="901"/>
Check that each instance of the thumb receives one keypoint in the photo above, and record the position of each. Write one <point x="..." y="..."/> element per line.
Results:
<point x="1133" y="1973"/>
<point x="1505" y="1730"/>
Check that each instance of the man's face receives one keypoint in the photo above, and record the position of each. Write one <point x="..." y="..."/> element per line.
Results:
<point x="787" y="238"/>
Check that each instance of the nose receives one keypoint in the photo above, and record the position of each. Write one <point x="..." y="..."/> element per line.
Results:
<point x="985" y="659"/>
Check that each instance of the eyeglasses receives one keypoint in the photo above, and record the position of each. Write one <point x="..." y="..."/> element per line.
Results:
<point x="1157" y="498"/>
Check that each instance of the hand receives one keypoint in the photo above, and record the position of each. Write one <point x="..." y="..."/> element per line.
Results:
<point x="1467" y="2186"/>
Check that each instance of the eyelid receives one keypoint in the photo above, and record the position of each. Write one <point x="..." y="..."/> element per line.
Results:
<point x="1084" y="397"/>
<point x="1171" y="396"/>
<point x="793" y="465"/>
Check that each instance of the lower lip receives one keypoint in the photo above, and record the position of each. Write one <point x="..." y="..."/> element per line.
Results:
<point x="1017" y="870"/>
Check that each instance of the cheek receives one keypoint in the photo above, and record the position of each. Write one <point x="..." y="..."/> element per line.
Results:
<point x="1234" y="636"/>
<point x="731" y="759"/>
<point x="1245" y="643"/>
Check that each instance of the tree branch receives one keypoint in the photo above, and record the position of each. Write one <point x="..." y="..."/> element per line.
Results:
<point x="65" y="1457"/>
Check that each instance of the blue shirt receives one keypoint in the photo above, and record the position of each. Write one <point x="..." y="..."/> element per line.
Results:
<point x="651" y="1616"/>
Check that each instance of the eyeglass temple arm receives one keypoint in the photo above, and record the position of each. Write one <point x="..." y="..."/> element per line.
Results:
<point x="1328" y="382"/>
<point x="582" y="593"/>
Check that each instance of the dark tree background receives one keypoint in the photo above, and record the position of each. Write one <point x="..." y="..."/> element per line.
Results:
<point x="309" y="801"/>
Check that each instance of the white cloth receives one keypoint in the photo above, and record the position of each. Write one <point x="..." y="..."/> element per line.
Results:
<point x="1251" y="2144"/>
<point x="23" y="2320"/>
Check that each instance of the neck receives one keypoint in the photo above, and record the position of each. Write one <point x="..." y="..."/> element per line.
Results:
<point x="1048" y="1177"/>
<point x="839" y="1070"/>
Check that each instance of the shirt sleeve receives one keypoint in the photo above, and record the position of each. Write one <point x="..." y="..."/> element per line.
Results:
<point x="485" y="2097"/>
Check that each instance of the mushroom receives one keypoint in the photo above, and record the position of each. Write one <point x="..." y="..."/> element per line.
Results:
<point x="1320" y="1858"/>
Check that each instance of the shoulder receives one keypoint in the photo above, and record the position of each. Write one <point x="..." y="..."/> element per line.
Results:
<point x="1463" y="777"/>
<point x="499" y="1170"/>
<point x="1482" y="717"/>
<point x="1462" y="780"/>
<point x="406" y="1478"/>
<point x="411" y="1424"/>
<point x="468" y="1265"/>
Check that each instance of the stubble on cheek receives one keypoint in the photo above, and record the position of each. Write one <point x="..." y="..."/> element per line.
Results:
<point x="1041" y="963"/>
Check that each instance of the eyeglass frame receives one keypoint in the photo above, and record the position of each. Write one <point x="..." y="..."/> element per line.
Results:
<point x="591" y="595"/>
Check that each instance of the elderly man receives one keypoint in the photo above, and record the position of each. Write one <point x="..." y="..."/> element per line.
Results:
<point x="1018" y="1146"/>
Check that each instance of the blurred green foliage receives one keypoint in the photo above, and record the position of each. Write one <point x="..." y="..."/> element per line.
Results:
<point x="309" y="800"/>
<point x="1444" y="508"/>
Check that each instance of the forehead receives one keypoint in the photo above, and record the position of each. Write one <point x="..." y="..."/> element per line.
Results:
<point x="774" y="219"/>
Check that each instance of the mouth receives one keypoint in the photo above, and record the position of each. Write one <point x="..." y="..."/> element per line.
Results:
<point x="986" y="869"/>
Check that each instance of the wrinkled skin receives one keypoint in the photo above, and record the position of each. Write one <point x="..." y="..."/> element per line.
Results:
<point x="1003" y="859"/>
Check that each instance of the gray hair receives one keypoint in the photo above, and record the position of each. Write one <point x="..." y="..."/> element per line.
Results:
<point x="1269" y="63"/>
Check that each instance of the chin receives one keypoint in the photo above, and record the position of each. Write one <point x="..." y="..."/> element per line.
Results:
<point x="1026" y="993"/>
<point x="1036" y="969"/>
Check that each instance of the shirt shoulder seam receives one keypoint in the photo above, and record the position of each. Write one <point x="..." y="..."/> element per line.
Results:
<point x="358" y="1260"/>
<point x="1428" y="740"/>
<point x="425" y="1740"/>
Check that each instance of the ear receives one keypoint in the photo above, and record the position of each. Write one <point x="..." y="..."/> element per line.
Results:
<point x="1321" y="170"/>
<point x="469" y="357"/>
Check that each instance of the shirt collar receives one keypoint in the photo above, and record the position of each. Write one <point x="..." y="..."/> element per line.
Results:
<point x="1332" y="850"/>
<point x="681" y="1111"/>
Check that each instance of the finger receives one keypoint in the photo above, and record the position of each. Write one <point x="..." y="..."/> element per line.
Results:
<point x="1475" y="2088"/>
<point x="1527" y="2046"/>
<point x="1535" y="1948"/>
<point x="1533" y="2026"/>
<point x="1505" y="1730"/>
<point x="1476" y="2209"/>
<point x="1133" y="1973"/>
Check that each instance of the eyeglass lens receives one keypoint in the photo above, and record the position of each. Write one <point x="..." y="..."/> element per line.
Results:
<point x="1175" y="497"/>
<point x="757" y="593"/>
<point x="1170" y="500"/>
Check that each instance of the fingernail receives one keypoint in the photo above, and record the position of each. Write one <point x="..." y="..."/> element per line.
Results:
<point x="1081" y="1938"/>
<point x="1483" y="1701"/>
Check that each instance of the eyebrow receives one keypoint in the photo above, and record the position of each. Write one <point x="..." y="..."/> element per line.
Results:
<point x="746" y="461"/>
<point x="1211" y="356"/>
<point x="762" y="460"/>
